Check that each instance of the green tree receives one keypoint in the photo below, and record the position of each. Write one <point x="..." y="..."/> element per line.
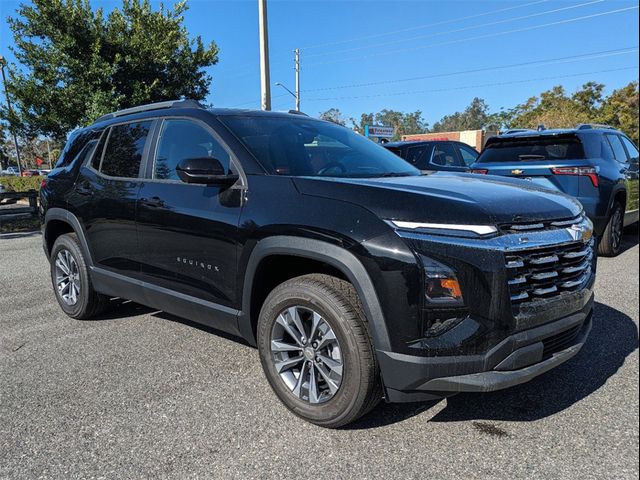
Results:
<point x="333" y="115"/>
<point x="365" y="119"/>
<point x="620" y="110"/>
<point x="76" y="64"/>
<point x="403" y="123"/>
<point x="474" y="117"/>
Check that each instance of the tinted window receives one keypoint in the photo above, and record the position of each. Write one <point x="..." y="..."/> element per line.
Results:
<point x="123" y="153"/>
<point x="468" y="154"/>
<point x="618" y="150"/>
<point x="631" y="148"/>
<point x="77" y="141"/>
<point x="417" y="156"/>
<point x="97" y="156"/>
<point x="296" y="145"/>
<point x="445" y="155"/>
<point x="181" y="139"/>
<point x="528" y="149"/>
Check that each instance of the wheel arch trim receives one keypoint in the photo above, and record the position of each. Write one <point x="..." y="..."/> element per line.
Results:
<point x="333" y="255"/>
<point x="68" y="217"/>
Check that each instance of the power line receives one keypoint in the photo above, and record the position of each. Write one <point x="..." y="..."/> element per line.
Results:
<point x="497" y="84"/>
<point x="448" y="32"/>
<point x="420" y="27"/>
<point x="477" y="37"/>
<point x="568" y="59"/>
<point x="250" y="102"/>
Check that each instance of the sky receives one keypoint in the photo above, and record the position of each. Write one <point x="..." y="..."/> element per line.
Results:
<point x="430" y="55"/>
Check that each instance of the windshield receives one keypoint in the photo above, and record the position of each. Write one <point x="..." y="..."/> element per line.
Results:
<point x="307" y="147"/>
<point x="532" y="148"/>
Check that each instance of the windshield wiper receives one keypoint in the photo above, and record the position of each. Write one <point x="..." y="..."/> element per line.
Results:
<point x="532" y="157"/>
<point x="394" y="174"/>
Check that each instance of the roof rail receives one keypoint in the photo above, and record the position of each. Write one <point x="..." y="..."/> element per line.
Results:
<point x="589" y="126"/>
<point x="151" y="106"/>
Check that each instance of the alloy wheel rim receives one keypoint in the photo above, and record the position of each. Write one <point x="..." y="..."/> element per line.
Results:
<point x="306" y="354"/>
<point x="617" y="229"/>
<point x="67" y="277"/>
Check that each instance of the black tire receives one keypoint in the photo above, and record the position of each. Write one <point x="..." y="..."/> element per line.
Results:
<point x="88" y="302"/>
<point x="337" y="302"/>
<point x="611" y="241"/>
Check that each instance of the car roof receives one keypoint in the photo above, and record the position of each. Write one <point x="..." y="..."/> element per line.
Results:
<point x="416" y="142"/>
<point x="585" y="129"/>
<point x="174" y="107"/>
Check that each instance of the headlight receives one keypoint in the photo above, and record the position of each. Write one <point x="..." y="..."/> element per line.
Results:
<point x="445" y="228"/>
<point x="441" y="285"/>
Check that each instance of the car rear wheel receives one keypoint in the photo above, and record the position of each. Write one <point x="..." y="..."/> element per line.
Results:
<point x="611" y="240"/>
<point x="316" y="351"/>
<point x="71" y="280"/>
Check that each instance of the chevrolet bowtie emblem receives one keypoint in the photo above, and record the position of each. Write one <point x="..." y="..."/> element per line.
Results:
<point x="517" y="172"/>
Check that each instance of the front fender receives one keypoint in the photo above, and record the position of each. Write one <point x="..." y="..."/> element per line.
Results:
<point x="333" y="255"/>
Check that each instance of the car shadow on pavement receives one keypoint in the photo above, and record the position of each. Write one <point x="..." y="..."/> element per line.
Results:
<point x="613" y="337"/>
<point x="630" y="238"/>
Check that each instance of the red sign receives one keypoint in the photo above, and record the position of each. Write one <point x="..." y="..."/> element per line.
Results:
<point x="39" y="161"/>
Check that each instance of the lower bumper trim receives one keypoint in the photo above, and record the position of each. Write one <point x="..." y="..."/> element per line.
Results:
<point x="498" y="380"/>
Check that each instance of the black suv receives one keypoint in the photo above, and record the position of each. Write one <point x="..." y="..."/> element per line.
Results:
<point x="356" y="276"/>
<point x="594" y="163"/>
<point x="445" y="155"/>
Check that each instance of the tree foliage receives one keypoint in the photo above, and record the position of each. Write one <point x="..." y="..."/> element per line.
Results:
<point x="76" y="63"/>
<point x="333" y="115"/>
<point x="620" y="110"/>
<point x="474" y="117"/>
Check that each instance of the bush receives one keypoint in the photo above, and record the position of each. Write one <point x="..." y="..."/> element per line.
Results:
<point x="21" y="184"/>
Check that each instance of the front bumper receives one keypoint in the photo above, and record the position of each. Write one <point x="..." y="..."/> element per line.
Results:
<point x="515" y="360"/>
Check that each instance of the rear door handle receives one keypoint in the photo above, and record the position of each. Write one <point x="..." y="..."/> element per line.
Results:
<point x="153" y="202"/>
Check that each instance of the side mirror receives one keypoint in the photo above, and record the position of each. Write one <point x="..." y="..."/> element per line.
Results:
<point x="204" y="170"/>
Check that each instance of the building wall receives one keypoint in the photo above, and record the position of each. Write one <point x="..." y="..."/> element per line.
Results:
<point x="474" y="138"/>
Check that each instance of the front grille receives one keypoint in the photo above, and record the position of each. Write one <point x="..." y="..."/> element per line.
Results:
<point x="520" y="227"/>
<point x="560" y="341"/>
<point x="547" y="272"/>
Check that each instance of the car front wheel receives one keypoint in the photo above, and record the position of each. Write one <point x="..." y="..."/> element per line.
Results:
<point x="316" y="351"/>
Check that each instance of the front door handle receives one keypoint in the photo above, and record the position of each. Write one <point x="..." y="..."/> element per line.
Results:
<point x="153" y="202"/>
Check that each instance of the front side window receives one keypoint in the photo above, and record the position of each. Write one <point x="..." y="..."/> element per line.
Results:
<point x="308" y="147"/>
<point x="124" y="149"/>
<point x="445" y="155"/>
<point x="618" y="150"/>
<point x="183" y="139"/>
<point x="468" y="155"/>
<point x="631" y="148"/>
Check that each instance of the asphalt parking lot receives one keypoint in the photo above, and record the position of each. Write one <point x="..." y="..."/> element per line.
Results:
<point x="140" y="394"/>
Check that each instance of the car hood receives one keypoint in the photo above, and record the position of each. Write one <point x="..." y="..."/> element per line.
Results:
<point x="444" y="197"/>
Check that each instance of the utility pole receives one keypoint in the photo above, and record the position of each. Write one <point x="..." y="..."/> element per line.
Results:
<point x="49" y="154"/>
<point x="265" y="82"/>
<point x="297" y="67"/>
<point x="3" y="62"/>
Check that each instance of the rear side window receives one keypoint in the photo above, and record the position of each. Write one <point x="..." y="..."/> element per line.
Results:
<point x="445" y="155"/>
<point x="123" y="152"/>
<point x="417" y="156"/>
<point x="532" y="149"/>
<point x="618" y="150"/>
<point x="75" y="146"/>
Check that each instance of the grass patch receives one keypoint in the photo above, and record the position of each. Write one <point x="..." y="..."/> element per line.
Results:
<point x="19" y="225"/>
